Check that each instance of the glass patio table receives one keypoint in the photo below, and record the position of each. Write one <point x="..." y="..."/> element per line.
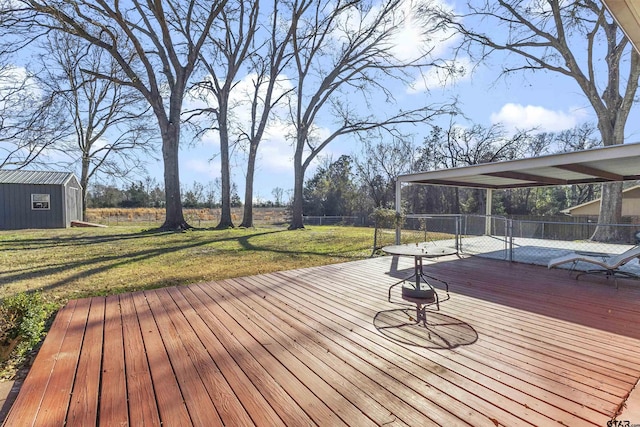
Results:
<point x="420" y="290"/>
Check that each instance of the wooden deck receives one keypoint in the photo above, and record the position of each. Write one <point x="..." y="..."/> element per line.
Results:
<point x="515" y="345"/>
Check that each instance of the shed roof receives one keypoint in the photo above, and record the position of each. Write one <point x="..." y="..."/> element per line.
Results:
<point x="34" y="177"/>
<point x="614" y="163"/>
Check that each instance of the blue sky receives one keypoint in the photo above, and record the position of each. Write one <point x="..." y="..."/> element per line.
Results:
<point x="544" y="100"/>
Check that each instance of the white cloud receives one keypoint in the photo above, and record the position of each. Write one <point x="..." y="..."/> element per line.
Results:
<point x="517" y="116"/>
<point x="201" y="167"/>
<point x="275" y="152"/>
<point x="449" y="74"/>
<point x="417" y="35"/>
<point x="411" y="31"/>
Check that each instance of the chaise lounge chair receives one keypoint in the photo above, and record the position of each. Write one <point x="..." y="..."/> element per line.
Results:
<point x="609" y="265"/>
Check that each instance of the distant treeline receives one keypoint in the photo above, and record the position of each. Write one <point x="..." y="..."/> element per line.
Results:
<point x="150" y="194"/>
<point x="341" y="188"/>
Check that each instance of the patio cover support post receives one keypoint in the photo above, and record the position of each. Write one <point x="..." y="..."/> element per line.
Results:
<point x="488" y="210"/>
<point x="398" y="209"/>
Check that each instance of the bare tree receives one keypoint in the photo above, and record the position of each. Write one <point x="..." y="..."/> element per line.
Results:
<point x="270" y="60"/>
<point x="157" y="45"/>
<point x="223" y="57"/>
<point x="463" y="146"/>
<point x="571" y="38"/>
<point x="379" y="166"/>
<point x="277" y="194"/>
<point x="111" y="121"/>
<point x="29" y="124"/>
<point x="343" y="57"/>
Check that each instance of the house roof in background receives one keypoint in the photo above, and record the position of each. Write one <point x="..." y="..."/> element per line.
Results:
<point x="34" y="177"/>
<point x="627" y="14"/>
<point x="608" y="164"/>
<point x="629" y="193"/>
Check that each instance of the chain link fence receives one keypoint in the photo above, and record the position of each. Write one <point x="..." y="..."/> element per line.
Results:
<point x="528" y="241"/>
<point x="356" y="221"/>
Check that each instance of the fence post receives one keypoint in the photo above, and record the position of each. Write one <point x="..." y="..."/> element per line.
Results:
<point x="458" y="240"/>
<point x="510" y="238"/>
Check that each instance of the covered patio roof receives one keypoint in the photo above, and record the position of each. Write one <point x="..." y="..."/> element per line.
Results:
<point x="608" y="164"/>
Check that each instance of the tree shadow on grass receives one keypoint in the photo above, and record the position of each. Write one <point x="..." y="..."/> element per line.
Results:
<point x="75" y="240"/>
<point x="244" y="241"/>
<point x="106" y="262"/>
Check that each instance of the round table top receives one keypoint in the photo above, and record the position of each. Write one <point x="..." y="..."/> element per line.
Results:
<point x="426" y="250"/>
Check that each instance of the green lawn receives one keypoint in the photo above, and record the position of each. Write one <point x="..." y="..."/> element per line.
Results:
<point x="71" y="263"/>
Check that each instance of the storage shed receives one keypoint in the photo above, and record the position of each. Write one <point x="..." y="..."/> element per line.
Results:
<point x="39" y="199"/>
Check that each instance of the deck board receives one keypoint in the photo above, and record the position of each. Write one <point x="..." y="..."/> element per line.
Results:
<point x="83" y="409"/>
<point x="516" y="345"/>
<point x="113" y="388"/>
<point x="55" y="402"/>
<point x="170" y="401"/>
<point x="139" y="383"/>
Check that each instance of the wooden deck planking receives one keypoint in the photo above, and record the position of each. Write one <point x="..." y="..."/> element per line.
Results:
<point x="171" y="405"/>
<point x="376" y="368"/>
<point x="83" y="409"/>
<point x="475" y="316"/>
<point x="252" y="400"/>
<point x="326" y="356"/>
<point x="332" y="409"/>
<point x="257" y="411"/>
<point x="201" y="408"/>
<point x="568" y="403"/>
<point x="477" y="373"/>
<point x="55" y="402"/>
<point x="411" y="368"/>
<point x="304" y="347"/>
<point x="252" y="360"/>
<point x="113" y="388"/>
<point x="226" y="403"/>
<point x="139" y="384"/>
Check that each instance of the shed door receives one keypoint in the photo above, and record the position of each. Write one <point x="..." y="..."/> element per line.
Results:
<point x="74" y="210"/>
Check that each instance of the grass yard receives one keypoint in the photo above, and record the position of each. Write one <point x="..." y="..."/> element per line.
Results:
<point x="72" y="263"/>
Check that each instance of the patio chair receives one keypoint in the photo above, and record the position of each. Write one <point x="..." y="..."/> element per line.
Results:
<point x="609" y="264"/>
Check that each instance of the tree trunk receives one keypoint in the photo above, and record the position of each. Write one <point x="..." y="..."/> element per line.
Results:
<point x="247" y="217"/>
<point x="174" y="219"/>
<point x="297" y="221"/>
<point x="225" y="173"/>
<point x="610" y="213"/>
<point x="84" y="183"/>
<point x="456" y="206"/>
<point x="611" y="127"/>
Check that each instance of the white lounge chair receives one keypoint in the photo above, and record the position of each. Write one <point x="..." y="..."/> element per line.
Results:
<point x="609" y="264"/>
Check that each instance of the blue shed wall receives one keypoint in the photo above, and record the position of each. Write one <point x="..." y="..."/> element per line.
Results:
<point x="16" y="212"/>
